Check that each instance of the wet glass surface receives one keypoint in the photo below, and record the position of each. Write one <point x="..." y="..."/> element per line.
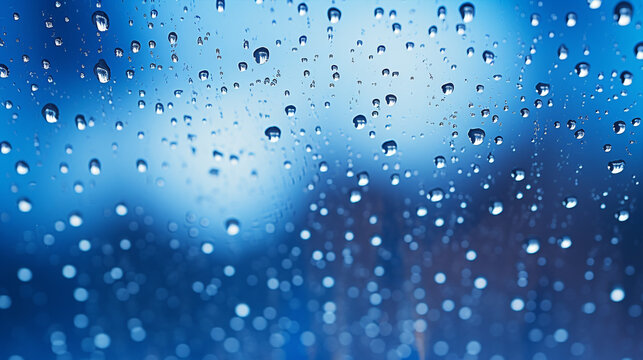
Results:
<point x="321" y="180"/>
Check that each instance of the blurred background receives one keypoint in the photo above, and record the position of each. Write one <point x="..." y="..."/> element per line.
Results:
<point x="321" y="180"/>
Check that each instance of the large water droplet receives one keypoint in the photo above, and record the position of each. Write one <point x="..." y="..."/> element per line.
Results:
<point x="172" y="38"/>
<point x="94" y="167"/>
<point x="488" y="57"/>
<point x="619" y="127"/>
<point x="542" y="89"/>
<point x="24" y="205"/>
<point x="495" y="208"/>
<point x="101" y="20"/>
<point x="359" y="122"/>
<point x="291" y="110"/>
<point x="102" y="71"/>
<point x="582" y="69"/>
<point x="334" y="15"/>
<point x="623" y="13"/>
<point x="4" y="71"/>
<point x="261" y="55"/>
<point x="638" y="51"/>
<point x="389" y="147"/>
<point x="50" y="113"/>
<point x="616" y="166"/>
<point x="467" y="11"/>
<point x="302" y="9"/>
<point x="273" y="133"/>
<point x="232" y="227"/>
<point x="447" y="89"/>
<point x="22" y="168"/>
<point x="476" y="136"/>
<point x="570" y="202"/>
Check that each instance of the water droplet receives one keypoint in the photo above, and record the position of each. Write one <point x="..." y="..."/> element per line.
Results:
<point x="626" y="78"/>
<point x="532" y="246"/>
<point x="355" y="196"/>
<point x="467" y="11"/>
<point x="391" y="99"/>
<point x="622" y="215"/>
<point x="518" y="174"/>
<point x="22" y="168"/>
<point x="447" y="89"/>
<point x="121" y="209"/>
<point x="617" y="294"/>
<point x="495" y="208"/>
<point x="50" y="113"/>
<point x="582" y="69"/>
<point x="570" y="202"/>
<point x="476" y="136"/>
<point x="442" y="13"/>
<point x="359" y="122"/>
<point x="24" y="205"/>
<point x="4" y="71"/>
<point x="638" y="51"/>
<point x="623" y="13"/>
<point x="141" y="165"/>
<point x="102" y="71"/>
<point x="562" y="52"/>
<point x="440" y="162"/>
<point x="302" y="9"/>
<point x="389" y="147"/>
<point x="135" y="46"/>
<point x="570" y="19"/>
<point x="5" y="147"/>
<point x="94" y="167"/>
<point x="172" y="38"/>
<point x="435" y="195"/>
<point x="619" y="127"/>
<point x="594" y="4"/>
<point x="616" y="166"/>
<point x="290" y="110"/>
<point x="261" y="55"/>
<point x="75" y="219"/>
<point x="363" y="178"/>
<point x="334" y="15"/>
<point x="273" y="133"/>
<point x="433" y="31"/>
<point x="542" y="89"/>
<point x="243" y="66"/>
<point x="101" y="20"/>
<point x="232" y="227"/>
